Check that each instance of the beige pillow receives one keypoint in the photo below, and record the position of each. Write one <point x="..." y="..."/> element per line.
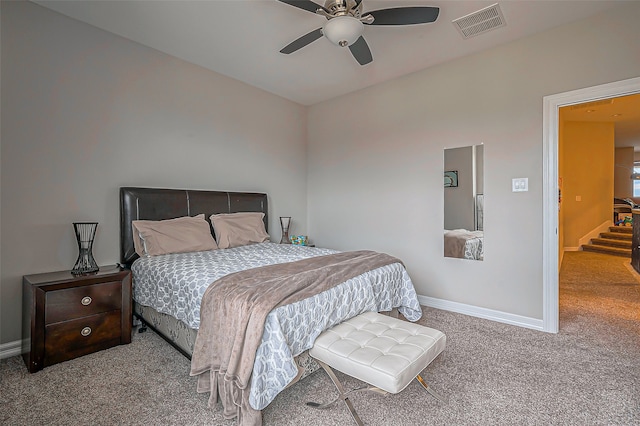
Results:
<point x="180" y="235"/>
<point x="239" y="229"/>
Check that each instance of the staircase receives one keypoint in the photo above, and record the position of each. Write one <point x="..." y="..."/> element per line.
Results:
<point x="617" y="241"/>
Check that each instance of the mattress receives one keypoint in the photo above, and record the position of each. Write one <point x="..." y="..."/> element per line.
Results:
<point x="185" y="338"/>
<point x="174" y="284"/>
<point x="464" y="244"/>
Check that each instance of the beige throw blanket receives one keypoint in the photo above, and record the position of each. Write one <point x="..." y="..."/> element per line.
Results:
<point x="233" y="313"/>
<point x="455" y="241"/>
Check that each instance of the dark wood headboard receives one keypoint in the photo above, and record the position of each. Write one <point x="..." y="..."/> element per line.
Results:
<point x="161" y="203"/>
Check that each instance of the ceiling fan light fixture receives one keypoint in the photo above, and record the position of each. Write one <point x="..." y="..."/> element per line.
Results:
<point x="343" y="31"/>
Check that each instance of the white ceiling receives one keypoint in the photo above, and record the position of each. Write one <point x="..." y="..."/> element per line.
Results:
<point x="242" y="38"/>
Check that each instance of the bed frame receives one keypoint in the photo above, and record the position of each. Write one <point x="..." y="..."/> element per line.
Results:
<point x="161" y="204"/>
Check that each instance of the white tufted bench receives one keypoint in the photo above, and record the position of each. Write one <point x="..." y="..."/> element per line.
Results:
<point x="385" y="352"/>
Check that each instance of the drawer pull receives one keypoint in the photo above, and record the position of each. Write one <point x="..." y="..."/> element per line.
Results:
<point x="86" y="301"/>
<point x="86" y="331"/>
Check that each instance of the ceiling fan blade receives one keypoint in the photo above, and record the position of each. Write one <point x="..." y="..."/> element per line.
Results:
<point x="360" y="50"/>
<point x="404" y="15"/>
<point x="307" y="5"/>
<point x="357" y="3"/>
<point x="302" y="41"/>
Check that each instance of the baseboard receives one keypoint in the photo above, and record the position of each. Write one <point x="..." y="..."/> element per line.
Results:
<point x="572" y="249"/>
<point x="10" y="349"/>
<point x="475" y="311"/>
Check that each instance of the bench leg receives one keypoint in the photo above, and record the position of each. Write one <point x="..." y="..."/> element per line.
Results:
<point x="343" y="394"/>
<point x="428" y="389"/>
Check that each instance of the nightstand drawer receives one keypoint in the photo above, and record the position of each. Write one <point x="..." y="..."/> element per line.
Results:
<point x="77" y="302"/>
<point x="71" y="339"/>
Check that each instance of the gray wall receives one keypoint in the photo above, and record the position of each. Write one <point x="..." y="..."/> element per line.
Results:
<point x="375" y="180"/>
<point x="459" y="211"/>
<point x="85" y="112"/>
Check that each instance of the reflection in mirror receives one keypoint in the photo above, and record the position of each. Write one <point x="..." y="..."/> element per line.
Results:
<point x="464" y="202"/>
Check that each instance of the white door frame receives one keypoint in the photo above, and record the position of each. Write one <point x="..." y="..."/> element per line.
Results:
<point x="552" y="103"/>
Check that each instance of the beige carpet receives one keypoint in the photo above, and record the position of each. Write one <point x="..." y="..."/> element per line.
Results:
<point x="492" y="374"/>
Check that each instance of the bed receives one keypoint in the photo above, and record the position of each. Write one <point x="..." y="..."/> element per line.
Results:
<point x="169" y="288"/>
<point x="464" y="244"/>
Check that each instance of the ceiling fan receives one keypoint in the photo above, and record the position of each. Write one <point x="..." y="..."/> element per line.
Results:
<point x="345" y="23"/>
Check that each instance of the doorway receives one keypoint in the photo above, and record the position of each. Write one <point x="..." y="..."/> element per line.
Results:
<point x="550" y="244"/>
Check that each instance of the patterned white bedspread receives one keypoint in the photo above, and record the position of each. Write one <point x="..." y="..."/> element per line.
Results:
<point x="473" y="243"/>
<point x="174" y="284"/>
<point x="474" y="247"/>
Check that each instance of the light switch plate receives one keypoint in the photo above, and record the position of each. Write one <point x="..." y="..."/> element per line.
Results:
<point x="520" y="184"/>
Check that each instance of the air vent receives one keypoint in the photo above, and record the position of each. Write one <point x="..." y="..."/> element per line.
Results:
<point x="480" y="22"/>
<point x="593" y="104"/>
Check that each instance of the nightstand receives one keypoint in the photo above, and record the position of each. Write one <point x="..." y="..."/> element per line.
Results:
<point x="65" y="316"/>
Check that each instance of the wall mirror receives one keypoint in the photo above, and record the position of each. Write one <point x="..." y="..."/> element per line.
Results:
<point x="464" y="202"/>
